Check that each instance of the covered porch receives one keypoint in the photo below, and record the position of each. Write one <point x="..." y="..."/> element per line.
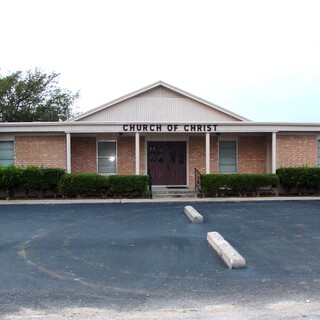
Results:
<point x="171" y="158"/>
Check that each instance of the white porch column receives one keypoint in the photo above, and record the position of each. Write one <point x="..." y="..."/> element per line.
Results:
<point x="274" y="152"/>
<point x="207" y="152"/>
<point x="137" y="152"/>
<point x="68" y="147"/>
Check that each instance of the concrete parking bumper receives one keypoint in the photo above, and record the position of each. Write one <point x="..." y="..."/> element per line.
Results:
<point x="228" y="254"/>
<point x="193" y="214"/>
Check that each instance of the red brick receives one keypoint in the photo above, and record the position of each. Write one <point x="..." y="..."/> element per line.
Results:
<point x="297" y="150"/>
<point x="46" y="151"/>
<point x="83" y="155"/>
<point x="197" y="158"/>
<point x="252" y="154"/>
<point x="126" y="155"/>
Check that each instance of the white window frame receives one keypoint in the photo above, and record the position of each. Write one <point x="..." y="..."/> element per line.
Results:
<point x="237" y="156"/>
<point x="6" y="141"/>
<point x="97" y="148"/>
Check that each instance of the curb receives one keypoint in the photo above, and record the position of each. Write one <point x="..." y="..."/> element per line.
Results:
<point x="168" y="200"/>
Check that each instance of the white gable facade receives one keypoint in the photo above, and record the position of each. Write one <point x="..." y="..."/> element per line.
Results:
<point x="159" y="104"/>
<point x="164" y="131"/>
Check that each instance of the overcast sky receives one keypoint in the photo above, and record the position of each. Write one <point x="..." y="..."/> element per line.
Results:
<point x="260" y="59"/>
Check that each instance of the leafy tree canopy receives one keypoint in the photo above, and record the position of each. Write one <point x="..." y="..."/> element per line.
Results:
<point x="34" y="96"/>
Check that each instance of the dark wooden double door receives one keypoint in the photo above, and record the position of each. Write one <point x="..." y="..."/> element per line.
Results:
<point x="167" y="162"/>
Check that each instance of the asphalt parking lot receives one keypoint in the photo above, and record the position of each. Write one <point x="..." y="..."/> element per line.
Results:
<point x="139" y="256"/>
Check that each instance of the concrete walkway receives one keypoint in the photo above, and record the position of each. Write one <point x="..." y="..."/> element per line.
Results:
<point x="226" y="199"/>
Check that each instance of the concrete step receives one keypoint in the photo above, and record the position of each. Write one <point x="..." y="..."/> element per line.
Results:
<point x="173" y="193"/>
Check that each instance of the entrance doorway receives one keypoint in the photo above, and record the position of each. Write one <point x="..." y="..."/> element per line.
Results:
<point x="167" y="162"/>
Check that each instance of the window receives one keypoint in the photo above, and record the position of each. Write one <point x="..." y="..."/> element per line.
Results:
<point x="6" y="153"/>
<point x="107" y="157"/>
<point x="228" y="156"/>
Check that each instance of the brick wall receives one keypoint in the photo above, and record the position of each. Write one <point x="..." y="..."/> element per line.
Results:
<point x="252" y="154"/>
<point x="83" y="155"/>
<point x="143" y="169"/>
<point x="50" y="151"/>
<point x="126" y="155"/>
<point x="197" y="157"/>
<point x="214" y="155"/>
<point x="297" y="150"/>
<point x="46" y="151"/>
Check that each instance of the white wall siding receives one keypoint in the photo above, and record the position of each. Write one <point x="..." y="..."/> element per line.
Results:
<point x="159" y="109"/>
<point x="160" y="92"/>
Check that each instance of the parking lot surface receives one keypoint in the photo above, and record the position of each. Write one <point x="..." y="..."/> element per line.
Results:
<point x="131" y="259"/>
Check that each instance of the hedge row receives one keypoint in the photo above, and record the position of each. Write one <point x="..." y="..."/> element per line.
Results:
<point x="82" y="184"/>
<point x="91" y="184"/>
<point x="130" y="186"/>
<point x="37" y="181"/>
<point x="237" y="184"/>
<point x="30" y="180"/>
<point x="300" y="179"/>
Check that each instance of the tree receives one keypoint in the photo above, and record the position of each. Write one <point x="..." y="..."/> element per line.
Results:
<point x="34" y="96"/>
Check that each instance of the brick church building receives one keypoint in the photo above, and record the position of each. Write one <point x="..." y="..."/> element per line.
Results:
<point x="162" y="130"/>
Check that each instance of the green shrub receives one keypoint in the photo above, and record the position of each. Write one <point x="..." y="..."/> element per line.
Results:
<point x="51" y="177"/>
<point x="40" y="180"/>
<point x="236" y="184"/>
<point x="212" y="184"/>
<point x="10" y="179"/>
<point x="1" y="179"/>
<point x="130" y="186"/>
<point x="250" y="183"/>
<point x="82" y="184"/>
<point x="307" y="178"/>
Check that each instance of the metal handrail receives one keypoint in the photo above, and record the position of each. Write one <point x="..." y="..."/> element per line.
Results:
<point x="197" y="181"/>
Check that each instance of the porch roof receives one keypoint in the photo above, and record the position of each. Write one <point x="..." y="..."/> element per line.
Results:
<point x="103" y="127"/>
